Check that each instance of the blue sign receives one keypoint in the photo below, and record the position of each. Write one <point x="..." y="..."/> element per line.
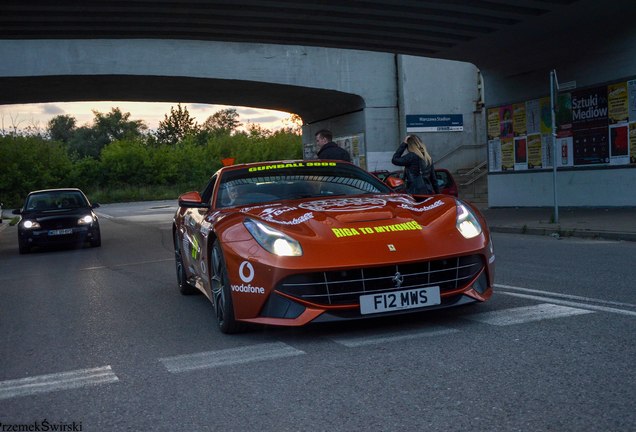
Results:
<point x="435" y="123"/>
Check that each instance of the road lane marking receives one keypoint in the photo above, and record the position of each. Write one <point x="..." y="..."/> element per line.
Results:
<point x="127" y="264"/>
<point x="57" y="381"/>
<point x="229" y="357"/>
<point x="526" y="314"/>
<point x="571" y="304"/>
<point x="566" y="296"/>
<point x="358" y="341"/>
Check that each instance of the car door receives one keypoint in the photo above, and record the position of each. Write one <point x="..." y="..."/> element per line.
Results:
<point x="195" y="235"/>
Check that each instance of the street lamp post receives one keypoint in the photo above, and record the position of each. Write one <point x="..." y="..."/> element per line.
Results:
<point x="554" y="88"/>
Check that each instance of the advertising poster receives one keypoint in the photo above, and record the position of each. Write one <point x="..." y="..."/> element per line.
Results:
<point x="533" y="115"/>
<point x="619" y="148"/>
<point x="354" y="144"/>
<point x="494" y="155"/>
<point x="631" y="89"/>
<point x="507" y="154"/>
<point x="521" y="153"/>
<point x="505" y="114"/>
<point x="632" y="142"/>
<point x="535" y="158"/>
<point x="564" y="152"/>
<point x="519" y="119"/>
<point x="547" y="151"/>
<point x="546" y="115"/>
<point x="591" y="146"/>
<point x="563" y="115"/>
<point x="617" y="103"/>
<point x="589" y="109"/>
<point x="493" y="123"/>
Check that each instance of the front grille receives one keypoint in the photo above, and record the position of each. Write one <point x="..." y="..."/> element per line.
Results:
<point x="344" y="287"/>
<point x="58" y="223"/>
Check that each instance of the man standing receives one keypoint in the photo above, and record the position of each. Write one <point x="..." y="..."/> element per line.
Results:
<point x="329" y="149"/>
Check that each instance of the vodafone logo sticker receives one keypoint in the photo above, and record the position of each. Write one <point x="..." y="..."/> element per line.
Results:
<point x="246" y="272"/>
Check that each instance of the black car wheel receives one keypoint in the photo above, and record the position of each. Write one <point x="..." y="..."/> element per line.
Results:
<point x="185" y="287"/>
<point x="97" y="239"/>
<point x="23" y="247"/>
<point x="221" y="293"/>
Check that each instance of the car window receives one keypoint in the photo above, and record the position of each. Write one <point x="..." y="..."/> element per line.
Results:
<point x="442" y="178"/>
<point x="56" y="200"/>
<point x="245" y="187"/>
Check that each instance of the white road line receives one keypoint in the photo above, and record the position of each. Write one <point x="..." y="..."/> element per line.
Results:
<point x="229" y="357"/>
<point x="127" y="264"/>
<point x="57" y="381"/>
<point x="526" y="314"/>
<point x="353" y="342"/>
<point x="567" y="296"/>
<point x="572" y="304"/>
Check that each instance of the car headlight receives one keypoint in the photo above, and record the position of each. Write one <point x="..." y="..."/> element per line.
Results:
<point x="467" y="223"/>
<point x="85" y="220"/>
<point x="273" y="240"/>
<point x="29" y="224"/>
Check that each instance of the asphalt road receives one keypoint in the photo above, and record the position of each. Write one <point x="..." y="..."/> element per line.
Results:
<point x="100" y="339"/>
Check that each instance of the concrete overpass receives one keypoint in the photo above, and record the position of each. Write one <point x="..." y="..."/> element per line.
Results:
<point x="355" y="66"/>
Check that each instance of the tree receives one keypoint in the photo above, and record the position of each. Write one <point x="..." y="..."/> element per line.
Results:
<point x="116" y="125"/>
<point x="223" y="122"/>
<point x="177" y="126"/>
<point x="62" y="128"/>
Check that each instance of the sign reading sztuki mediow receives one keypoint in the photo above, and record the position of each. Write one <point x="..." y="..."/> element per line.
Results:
<point x="435" y="123"/>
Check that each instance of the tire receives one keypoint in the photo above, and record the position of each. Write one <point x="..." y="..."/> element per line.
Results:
<point x="185" y="287"/>
<point x="221" y="293"/>
<point x="97" y="241"/>
<point x="23" y="247"/>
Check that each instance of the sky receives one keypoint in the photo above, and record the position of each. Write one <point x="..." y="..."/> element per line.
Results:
<point x="38" y="115"/>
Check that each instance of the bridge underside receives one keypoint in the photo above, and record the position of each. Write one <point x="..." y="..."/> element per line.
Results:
<point x="311" y="104"/>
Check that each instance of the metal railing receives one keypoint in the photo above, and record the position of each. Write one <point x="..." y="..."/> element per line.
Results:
<point x="475" y="174"/>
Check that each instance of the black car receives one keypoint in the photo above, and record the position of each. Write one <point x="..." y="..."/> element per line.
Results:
<point x="57" y="216"/>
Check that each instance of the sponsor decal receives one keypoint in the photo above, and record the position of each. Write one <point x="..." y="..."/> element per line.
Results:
<point x="423" y="208"/>
<point x="272" y="214"/>
<point x="350" y="232"/>
<point x="249" y="209"/>
<point x="248" y="289"/>
<point x="392" y="248"/>
<point x="195" y="247"/>
<point x="249" y="276"/>
<point x="344" y="204"/>
<point x="292" y="165"/>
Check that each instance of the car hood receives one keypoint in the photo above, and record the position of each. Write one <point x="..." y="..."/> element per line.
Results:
<point x="377" y="228"/>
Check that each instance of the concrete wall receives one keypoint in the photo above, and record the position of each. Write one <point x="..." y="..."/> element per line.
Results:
<point x="575" y="188"/>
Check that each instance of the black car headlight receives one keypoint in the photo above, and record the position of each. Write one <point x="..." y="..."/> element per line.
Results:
<point x="30" y="224"/>
<point x="467" y="223"/>
<point x="85" y="220"/>
<point x="273" y="240"/>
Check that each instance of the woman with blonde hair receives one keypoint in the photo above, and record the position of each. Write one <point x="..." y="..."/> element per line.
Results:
<point x="419" y="171"/>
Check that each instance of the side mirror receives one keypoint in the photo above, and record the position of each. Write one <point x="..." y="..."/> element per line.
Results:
<point x="95" y="205"/>
<point x="192" y="200"/>
<point x="17" y="212"/>
<point x="394" y="182"/>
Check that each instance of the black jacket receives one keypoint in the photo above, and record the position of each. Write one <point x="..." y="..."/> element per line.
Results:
<point x="331" y="150"/>
<point x="414" y="166"/>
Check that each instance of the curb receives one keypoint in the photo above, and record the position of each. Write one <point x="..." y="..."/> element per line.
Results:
<point x="558" y="233"/>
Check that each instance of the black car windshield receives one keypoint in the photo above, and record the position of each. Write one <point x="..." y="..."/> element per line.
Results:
<point x="55" y="200"/>
<point x="282" y="181"/>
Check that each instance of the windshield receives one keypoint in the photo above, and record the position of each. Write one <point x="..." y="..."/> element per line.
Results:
<point x="55" y="200"/>
<point x="267" y="183"/>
